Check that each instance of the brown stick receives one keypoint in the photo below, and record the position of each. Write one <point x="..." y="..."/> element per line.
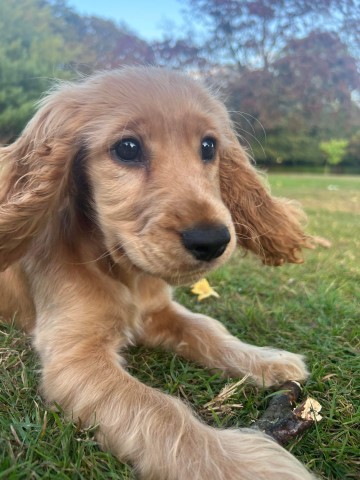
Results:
<point x="280" y="420"/>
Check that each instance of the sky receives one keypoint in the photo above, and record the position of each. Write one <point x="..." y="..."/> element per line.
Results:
<point x="147" y="18"/>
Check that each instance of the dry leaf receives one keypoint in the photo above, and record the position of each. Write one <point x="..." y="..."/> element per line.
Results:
<point x="309" y="410"/>
<point x="203" y="289"/>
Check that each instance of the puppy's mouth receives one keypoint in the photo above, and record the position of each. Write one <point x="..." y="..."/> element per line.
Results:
<point x="175" y="273"/>
<point x="179" y="258"/>
<point x="185" y="279"/>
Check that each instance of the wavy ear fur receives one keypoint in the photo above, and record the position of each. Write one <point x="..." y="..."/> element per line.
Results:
<point x="34" y="173"/>
<point x="268" y="226"/>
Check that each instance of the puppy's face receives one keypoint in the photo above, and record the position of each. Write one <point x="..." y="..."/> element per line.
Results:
<point x="154" y="148"/>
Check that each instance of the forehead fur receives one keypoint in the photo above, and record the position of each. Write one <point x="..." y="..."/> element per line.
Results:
<point x="136" y="92"/>
<point x="166" y="90"/>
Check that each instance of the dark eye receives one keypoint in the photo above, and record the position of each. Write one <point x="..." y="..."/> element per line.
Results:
<point x="127" y="150"/>
<point x="208" y="149"/>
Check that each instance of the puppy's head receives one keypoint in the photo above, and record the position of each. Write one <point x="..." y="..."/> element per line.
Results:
<point x="165" y="176"/>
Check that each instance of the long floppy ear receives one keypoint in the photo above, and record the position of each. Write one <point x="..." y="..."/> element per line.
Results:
<point x="268" y="226"/>
<point x="34" y="173"/>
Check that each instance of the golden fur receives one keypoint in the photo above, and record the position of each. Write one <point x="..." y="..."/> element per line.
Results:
<point x="89" y="245"/>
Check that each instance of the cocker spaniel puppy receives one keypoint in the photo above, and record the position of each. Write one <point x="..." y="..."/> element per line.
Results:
<point x="121" y="185"/>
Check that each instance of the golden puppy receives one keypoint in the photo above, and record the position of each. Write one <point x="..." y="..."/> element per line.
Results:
<point x="119" y="186"/>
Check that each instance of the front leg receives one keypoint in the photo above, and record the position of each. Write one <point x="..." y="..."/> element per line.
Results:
<point x="207" y="342"/>
<point x="156" y="433"/>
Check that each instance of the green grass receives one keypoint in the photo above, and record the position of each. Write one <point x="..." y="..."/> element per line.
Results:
<point x="311" y="308"/>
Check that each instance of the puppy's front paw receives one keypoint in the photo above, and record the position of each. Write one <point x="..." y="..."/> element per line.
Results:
<point x="277" y="366"/>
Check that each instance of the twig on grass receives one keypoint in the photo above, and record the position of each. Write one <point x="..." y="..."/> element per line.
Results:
<point x="281" y="420"/>
<point x="222" y="403"/>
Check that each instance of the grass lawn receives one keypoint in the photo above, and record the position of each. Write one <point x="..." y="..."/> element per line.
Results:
<point x="311" y="308"/>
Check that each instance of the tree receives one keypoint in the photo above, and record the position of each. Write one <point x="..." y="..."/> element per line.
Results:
<point x="288" y="67"/>
<point x="317" y="76"/>
<point x="305" y="96"/>
<point x="30" y="55"/>
<point x="43" y="39"/>
<point x="179" y="53"/>
<point x="353" y="150"/>
<point x="103" y="43"/>
<point x="334" y="151"/>
<point x="250" y="33"/>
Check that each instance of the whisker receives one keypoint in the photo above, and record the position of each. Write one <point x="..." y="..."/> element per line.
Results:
<point x="255" y="139"/>
<point x="107" y="253"/>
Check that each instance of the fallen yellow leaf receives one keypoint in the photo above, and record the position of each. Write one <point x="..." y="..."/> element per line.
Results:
<point x="203" y="289"/>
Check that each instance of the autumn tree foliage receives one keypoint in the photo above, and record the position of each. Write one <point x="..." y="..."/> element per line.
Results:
<point x="308" y="95"/>
<point x="103" y="43"/>
<point x="288" y="69"/>
<point x="29" y="49"/>
<point x="251" y="33"/>
<point x="42" y="40"/>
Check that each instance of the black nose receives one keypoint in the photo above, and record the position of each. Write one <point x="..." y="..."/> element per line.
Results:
<point x="206" y="242"/>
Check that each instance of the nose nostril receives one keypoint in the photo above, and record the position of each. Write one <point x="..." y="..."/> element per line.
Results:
<point x="206" y="242"/>
<point x="221" y="250"/>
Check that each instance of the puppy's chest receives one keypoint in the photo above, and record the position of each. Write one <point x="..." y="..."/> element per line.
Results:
<point x="135" y="305"/>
